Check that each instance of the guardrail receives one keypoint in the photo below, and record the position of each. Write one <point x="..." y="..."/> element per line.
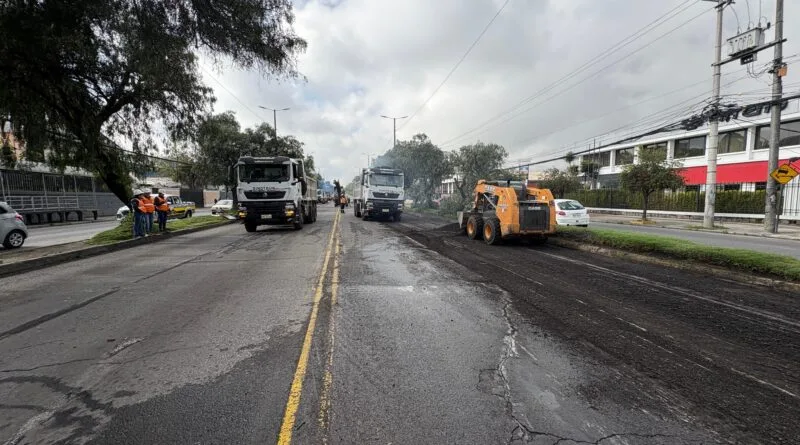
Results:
<point x="39" y="203"/>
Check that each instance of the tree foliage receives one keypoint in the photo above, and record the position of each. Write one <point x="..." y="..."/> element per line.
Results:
<point x="560" y="182"/>
<point x="77" y="74"/>
<point x="424" y="166"/>
<point x="218" y="144"/>
<point x="477" y="161"/>
<point x="651" y="174"/>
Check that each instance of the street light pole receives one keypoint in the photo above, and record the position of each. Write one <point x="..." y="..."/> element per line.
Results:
<point x="395" y="127"/>
<point x="274" y="117"/>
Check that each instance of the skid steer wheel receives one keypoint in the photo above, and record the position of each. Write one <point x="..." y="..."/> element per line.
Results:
<point x="491" y="231"/>
<point x="474" y="227"/>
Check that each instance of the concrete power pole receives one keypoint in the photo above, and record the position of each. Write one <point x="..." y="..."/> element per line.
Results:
<point x="771" y="215"/>
<point x="713" y="135"/>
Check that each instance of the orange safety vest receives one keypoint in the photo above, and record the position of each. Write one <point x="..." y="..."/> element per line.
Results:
<point x="140" y="205"/>
<point x="343" y="200"/>
<point x="149" y="207"/>
<point x="161" y="204"/>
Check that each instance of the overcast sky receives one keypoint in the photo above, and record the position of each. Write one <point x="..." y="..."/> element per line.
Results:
<point x="371" y="57"/>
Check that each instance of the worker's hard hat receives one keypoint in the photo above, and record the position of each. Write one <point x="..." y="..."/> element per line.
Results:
<point x="137" y="192"/>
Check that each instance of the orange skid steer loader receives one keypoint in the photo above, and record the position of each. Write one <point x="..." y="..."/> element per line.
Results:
<point x="509" y="210"/>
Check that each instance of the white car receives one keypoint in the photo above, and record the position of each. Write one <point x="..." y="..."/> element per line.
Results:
<point x="122" y="212"/>
<point x="222" y="206"/>
<point x="571" y="213"/>
<point x="13" y="231"/>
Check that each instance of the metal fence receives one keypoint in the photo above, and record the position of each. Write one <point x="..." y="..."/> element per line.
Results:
<point x="35" y="203"/>
<point x="730" y="198"/>
<point x="28" y="191"/>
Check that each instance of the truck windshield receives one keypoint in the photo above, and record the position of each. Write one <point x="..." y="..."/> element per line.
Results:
<point x="386" y="180"/>
<point x="263" y="172"/>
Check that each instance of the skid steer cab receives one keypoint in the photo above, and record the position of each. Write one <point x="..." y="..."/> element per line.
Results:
<point x="509" y="210"/>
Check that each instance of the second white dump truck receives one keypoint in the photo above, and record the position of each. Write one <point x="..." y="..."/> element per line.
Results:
<point x="380" y="193"/>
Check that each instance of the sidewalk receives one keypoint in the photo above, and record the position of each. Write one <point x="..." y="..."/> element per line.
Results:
<point x="785" y="230"/>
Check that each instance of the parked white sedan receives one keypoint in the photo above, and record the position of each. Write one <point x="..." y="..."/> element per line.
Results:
<point x="12" y="227"/>
<point x="571" y="213"/>
<point x="222" y="206"/>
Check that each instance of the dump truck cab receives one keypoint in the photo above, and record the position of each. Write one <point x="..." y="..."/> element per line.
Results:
<point x="509" y="209"/>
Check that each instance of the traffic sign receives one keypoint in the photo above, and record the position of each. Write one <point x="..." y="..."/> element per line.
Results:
<point x="784" y="174"/>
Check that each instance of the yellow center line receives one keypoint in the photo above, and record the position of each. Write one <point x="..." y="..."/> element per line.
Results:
<point x="296" y="390"/>
<point x="324" y="416"/>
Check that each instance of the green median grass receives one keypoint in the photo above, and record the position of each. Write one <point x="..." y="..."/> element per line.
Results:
<point x="780" y="266"/>
<point x="124" y="231"/>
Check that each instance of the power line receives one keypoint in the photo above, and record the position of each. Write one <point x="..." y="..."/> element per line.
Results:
<point x="661" y="117"/>
<point x="570" y="87"/>
<point x="455" y="67"/>
<point x="261" y="118"/>
<point x="614" y="48"/>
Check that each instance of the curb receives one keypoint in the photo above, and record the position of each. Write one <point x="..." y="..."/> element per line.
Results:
<point x="60" y="258"/>
<point x="682" y="264"/>
<point x="721" y="232"/>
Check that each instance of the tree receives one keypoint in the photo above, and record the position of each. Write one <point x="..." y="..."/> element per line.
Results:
<point x="220" y="141"/>
<point x="474" y="162"/>
<point x="424" y="166"/>
<point x="100" y="70"/>
<point x="560" y="182"/>
<point x="651" y="174"/>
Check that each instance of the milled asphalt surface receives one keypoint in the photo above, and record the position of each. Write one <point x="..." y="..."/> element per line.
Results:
<point x="433" y="339"/>
<point x="757" y="243"/>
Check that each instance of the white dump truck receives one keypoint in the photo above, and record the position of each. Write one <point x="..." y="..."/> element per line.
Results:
<point x="275" y="191"/>
<point x="380" y="193"/>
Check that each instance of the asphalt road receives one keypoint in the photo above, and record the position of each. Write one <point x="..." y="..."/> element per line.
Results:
<point x="354" y="332"/>
<point x="757" y="243"/>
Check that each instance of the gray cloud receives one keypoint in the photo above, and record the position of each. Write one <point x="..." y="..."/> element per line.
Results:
<point x="371" y="57"/>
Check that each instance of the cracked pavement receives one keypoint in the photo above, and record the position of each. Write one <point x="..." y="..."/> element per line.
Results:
<point x="438" y="339"/>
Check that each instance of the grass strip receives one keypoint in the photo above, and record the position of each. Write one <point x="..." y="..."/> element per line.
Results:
<point x="780" y="266"/>
<point x="124" y="231"/>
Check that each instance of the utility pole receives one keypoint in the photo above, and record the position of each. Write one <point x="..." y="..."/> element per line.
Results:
<point x="713" y="135"/>
<point x="395" y="127"/>
<point x="274" y="118"/>
<point x="771" y="215"/>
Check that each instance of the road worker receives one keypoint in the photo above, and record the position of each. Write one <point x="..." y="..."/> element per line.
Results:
<point x="162" y="208"/>
<point x="138" y="214"/>
<point x="150" y="210"/>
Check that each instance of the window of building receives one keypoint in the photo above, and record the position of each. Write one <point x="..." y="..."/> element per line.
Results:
<point x="732" y="141"/>
<point x="602" y="159"/>
<point x="659" y="149"/>
<point x="790" y="135"/>
<point x="624" y="156"/>
<point x="690" y="147"/>
<point x="761" y="185"/>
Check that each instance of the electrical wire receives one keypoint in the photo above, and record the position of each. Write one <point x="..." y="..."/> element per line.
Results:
<point x="511" y="112"/>
<point x="261" y="118"/>
<point x="455" y="67"/>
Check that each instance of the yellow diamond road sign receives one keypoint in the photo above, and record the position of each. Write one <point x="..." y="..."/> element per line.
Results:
<point x="784" y="173"/>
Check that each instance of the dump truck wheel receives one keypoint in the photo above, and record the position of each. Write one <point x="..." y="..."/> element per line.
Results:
<point x="250" y="227"/>
<point x="491" y="231"/>
<point x="475" y="227"/>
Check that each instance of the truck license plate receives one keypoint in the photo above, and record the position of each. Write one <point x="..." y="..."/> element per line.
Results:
<point x="385" y="210"/>
<point x="266" y="216"/>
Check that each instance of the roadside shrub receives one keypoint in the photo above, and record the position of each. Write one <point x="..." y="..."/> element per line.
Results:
<point x="731" y="201"/>
<point x="450" y="206"/>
